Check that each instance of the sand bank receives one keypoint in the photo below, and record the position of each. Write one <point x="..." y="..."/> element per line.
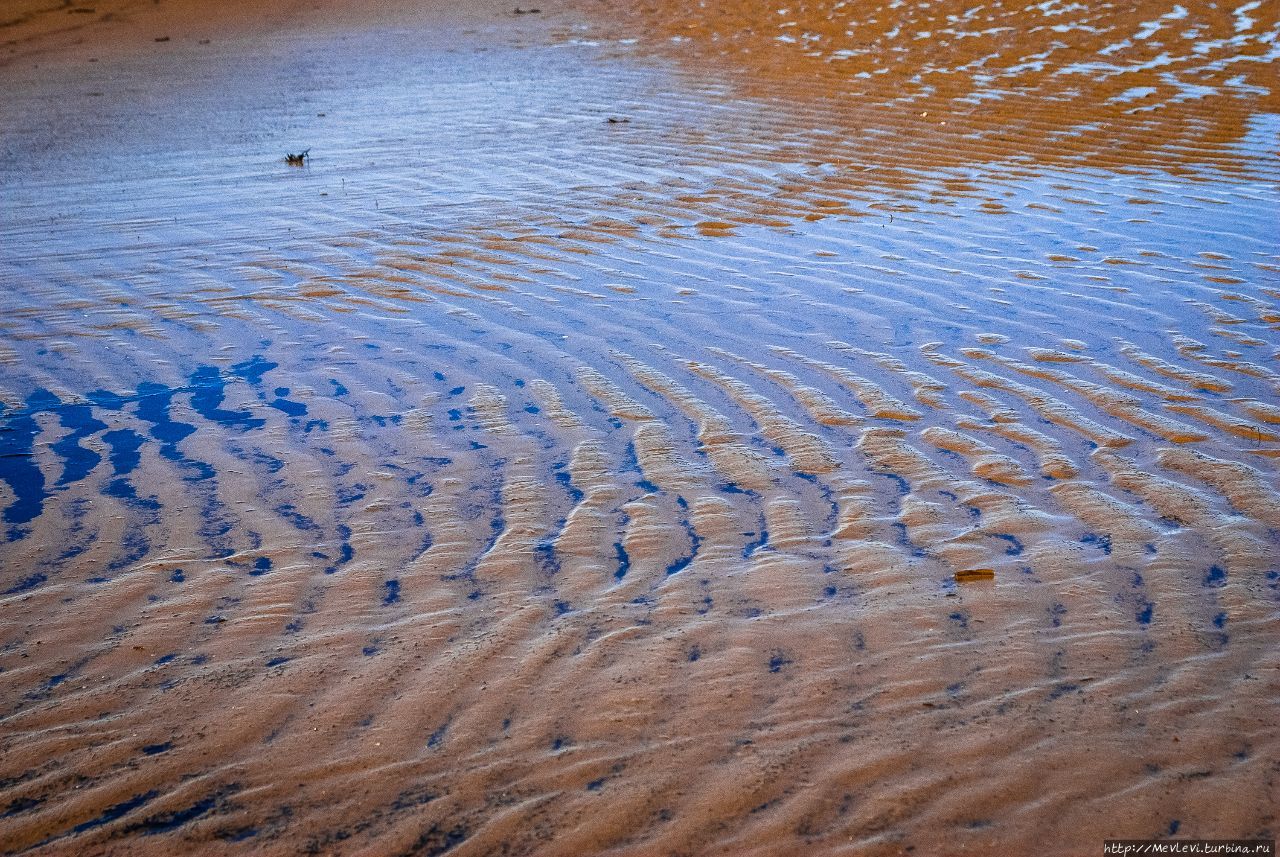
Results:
<point x="636" y="430"/>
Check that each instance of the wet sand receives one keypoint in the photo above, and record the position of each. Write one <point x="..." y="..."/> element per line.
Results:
<point x="636" y="430"/>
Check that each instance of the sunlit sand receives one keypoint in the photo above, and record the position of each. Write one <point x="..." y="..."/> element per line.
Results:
<point x="637" y="428"/>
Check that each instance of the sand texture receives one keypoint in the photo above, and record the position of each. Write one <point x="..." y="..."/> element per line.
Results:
<point x="658" y="428"/>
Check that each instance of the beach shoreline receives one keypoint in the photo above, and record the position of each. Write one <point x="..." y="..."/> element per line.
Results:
<point x="636" y="429"/>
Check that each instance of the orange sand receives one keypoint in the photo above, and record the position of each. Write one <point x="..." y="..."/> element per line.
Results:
<point x="638" y="429"/>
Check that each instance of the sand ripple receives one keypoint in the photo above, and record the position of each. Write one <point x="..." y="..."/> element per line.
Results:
<point x="667" y="430"/>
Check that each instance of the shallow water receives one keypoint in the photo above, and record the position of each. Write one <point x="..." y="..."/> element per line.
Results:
<point x="514" y="480"/>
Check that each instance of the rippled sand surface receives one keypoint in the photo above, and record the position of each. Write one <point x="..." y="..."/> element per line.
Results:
<point x="643" y="429"/>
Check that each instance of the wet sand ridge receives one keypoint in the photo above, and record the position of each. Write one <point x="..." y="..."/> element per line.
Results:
<point x="580" y="453"/>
